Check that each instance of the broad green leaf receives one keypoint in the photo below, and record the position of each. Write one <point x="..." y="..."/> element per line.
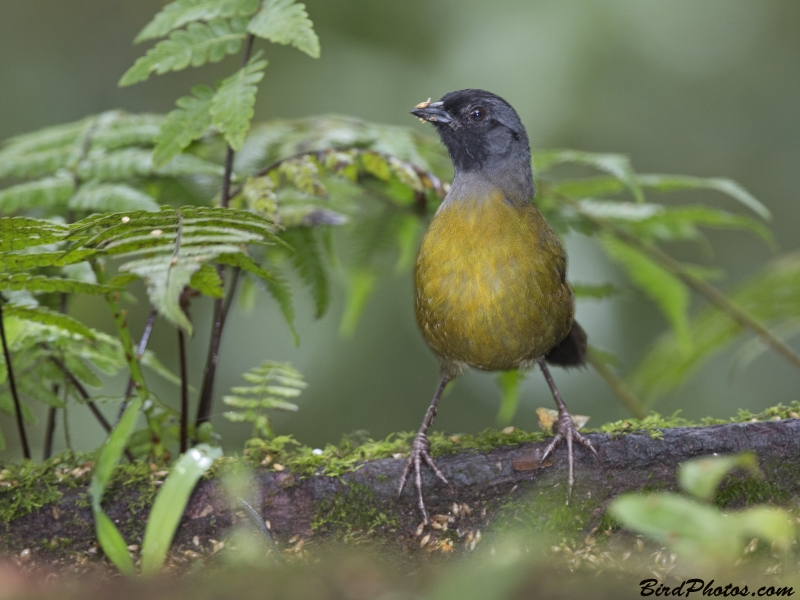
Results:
<point x="768" y="523"/>
<point x="695" y="531"/>
<point x="113" y="544"/>
<point x="285" y="22"/>
<point x="198" y="44"/>
<point x="108" y="535"/>
<point x="360" y="287"/>
<point x="232" y="104"/>
<point x="663" y="288"/>
<point x="308" y="261"/>
<point x="177" y="14"/>
<point x="184" y="125"/>
<point x="170" y="503"/>
<point x="106" y="197"/>
<point x="51" y="192"/>
<point x="772" y="296"/>
<point x="701" y="476"/>
<point x="509" y="383"/>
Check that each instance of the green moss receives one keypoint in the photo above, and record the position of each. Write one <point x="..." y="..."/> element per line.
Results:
<point x="350" y="512"/>
<point x="28" y="486"/>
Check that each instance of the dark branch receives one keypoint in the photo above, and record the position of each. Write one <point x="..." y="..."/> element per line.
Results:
<point x="12" y="384"/>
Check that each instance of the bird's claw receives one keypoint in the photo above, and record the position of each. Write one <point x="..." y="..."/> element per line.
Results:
<point x="565" y="430"/>
<point x="420" y="451"/>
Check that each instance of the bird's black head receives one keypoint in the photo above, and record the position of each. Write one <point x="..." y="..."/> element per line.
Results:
<point x="481" y="131"/>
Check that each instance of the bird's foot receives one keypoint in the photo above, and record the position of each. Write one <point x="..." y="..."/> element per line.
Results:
<point x="420" y="452"/>
<point x="564" y="429"/>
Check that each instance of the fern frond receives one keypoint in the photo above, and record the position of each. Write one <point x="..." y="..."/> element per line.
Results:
<point x="131" y="162"/>
<point x="42" y="284"/>
<point x="49" y="138"/>
<point x="17" y="233"/>
<point x="198" y="44"/>
<point x="232" y="105"/>
<point x="104" y="197"/>
<point x="127" y="130"/>
<point x="184" y="125"/>
<point x="49" y="192"/>
<point x="207" y="281"/>
<point x="307" y="259"/>
<point x="285" y="22"/>
<point x="663" y="288"/>
<point x="772" y="296"/>
<point x="177" y="14"/>
<point x="48" y="317"/>
<point x="36" y="164"/>
<point x="12" y="261"/>
<point x="271" y="383"/>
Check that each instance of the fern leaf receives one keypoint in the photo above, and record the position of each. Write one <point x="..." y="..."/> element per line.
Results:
<point x="663" y="288"/>
<point x="360" y="287"/>
<point x="206" y="281"/>
<point x="47" y="317"/>
<point x="271" y="383"/>
<point x="285" y="22"/>
<point x="48" y="285"/>
<point x="49" y="138"/>
<point x="131" y="162"/>
<point x="617" y="165"/>
<point x="595" y="291"/>
<point x="26" y="261"/>
<point x="103" y="198"/>
<point x="36" y="164"/>
<point x="17" y="233"/>
<point x="177" y="14"/>
<point x="50" y="192"/>
<point x="772" y="296"/>
<point x="184" y="125"/>
<point x="307" y="260"/>
<point x="198" y="44"/>
<point x="232" y="105"/>
<point x="127" y="130"/>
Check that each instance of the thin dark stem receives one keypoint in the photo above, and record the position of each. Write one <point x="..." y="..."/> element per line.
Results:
<point x="617" y="386"/>
<point x="226" y="306"/>
<point x="184" y="391"/>
<point x="218" y="323"/>
<point x="50" y="429"/>
<point x="148" y="329"/>
<point x="12" y="384"/>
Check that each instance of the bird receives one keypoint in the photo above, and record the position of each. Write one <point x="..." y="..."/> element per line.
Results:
<point x="490" y="276"/>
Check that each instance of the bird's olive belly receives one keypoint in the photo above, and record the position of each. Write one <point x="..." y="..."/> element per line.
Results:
<point x="491" y="294"/>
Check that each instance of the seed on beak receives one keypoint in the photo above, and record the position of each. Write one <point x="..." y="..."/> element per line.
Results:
<point x="425" y="104"/>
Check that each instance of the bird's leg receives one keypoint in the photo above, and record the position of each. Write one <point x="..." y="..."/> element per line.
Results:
<point x="419" y="452"/>
<point x="564" y="429"/>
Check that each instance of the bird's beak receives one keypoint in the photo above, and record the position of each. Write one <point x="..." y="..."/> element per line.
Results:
<point x="432" y="111"/>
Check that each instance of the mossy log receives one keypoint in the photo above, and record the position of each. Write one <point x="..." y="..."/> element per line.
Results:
<point x="364" y="503"/>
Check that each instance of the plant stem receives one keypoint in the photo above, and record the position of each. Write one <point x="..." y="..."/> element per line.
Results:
<point x="12" y="384"/>
<point x="135" y="368"/>
<point x="148" y="329"/>
<point x="184" y="391"/>
<point x="218" y="323"/>
<point x="617" y="386"/>
<point x="712" y="294"/>
<point x="50" y="430"/>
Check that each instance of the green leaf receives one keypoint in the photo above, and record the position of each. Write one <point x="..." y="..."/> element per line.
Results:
<point x="282" y="294"/>
<point x="663" y="288"/>
<point x="360" y="287"/>
<point x="308" y="262"/>
<point x="509" y="383"/>
<point x="615" y="164"/>
<point x="108" y="535"/>
<point x="177" y="14"/>
<point x="44" y="284"/>
<point x="106" y="197"/>
<point x="198" y="44"/>
<point x="232" y="104"/>
<point x="285" y="22"/>
<point x="50" y="192"/>
<point x="47" y="317"/>
<point x="701" y="476"/>
<point x="170" y="503"/>
<point x="36" y="164"/>
<point x="772" y="296"/>
<point x="668" y="183"/>
<point x="207" y="282"/>
<point x="12" y="261"/>
<point x="131" y="162"/>
<point x="184" y="125"/>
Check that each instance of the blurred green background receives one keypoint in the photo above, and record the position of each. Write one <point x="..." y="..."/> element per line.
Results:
<point x="707" y="88"/>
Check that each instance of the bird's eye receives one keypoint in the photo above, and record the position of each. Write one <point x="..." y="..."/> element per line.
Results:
<point x="478" y="114"/>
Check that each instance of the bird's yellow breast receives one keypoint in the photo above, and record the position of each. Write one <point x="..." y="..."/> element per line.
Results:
<point x="490" y="284"/>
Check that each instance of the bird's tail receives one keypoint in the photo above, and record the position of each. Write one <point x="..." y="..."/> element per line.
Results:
<point x="571" y="352"/>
